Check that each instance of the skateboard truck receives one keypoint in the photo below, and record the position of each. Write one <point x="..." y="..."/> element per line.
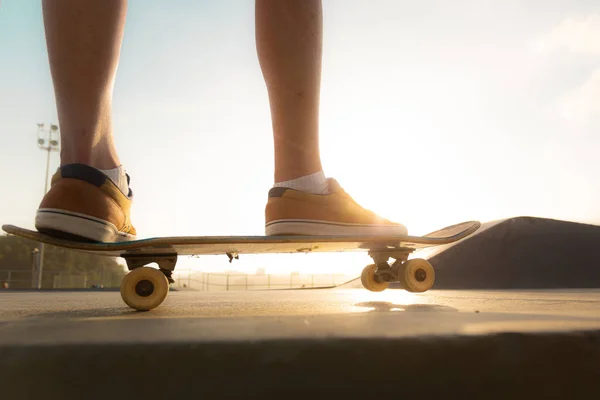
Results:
<point x="166" y="262"/>
<point x="383" y="270"/>
<point x="416" y="275"/>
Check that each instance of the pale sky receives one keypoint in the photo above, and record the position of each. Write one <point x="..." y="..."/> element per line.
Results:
<point x="432" y="113"/>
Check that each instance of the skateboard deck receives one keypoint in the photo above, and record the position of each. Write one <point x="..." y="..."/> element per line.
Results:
<point x="212" y="245"/>
<point x="145" y="288"/>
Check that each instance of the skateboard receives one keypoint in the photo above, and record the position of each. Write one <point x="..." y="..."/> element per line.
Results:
<point x="145" y="288"/>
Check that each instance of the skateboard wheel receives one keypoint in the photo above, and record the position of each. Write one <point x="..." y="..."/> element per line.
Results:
<point x="372" y="282"/>
<point x="144" y="288"/>
<point x="416" y="275"/>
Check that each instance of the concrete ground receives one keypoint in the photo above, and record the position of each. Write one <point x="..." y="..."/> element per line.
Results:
<point x="486" y="344"/>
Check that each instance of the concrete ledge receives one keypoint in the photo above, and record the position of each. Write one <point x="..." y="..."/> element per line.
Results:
<point x="502" y="366"/>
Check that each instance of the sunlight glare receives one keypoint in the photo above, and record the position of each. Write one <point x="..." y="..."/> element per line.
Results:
<point x="388" y="300"/>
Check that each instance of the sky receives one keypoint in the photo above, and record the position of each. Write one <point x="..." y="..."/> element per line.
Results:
<point x="432" y="113"/>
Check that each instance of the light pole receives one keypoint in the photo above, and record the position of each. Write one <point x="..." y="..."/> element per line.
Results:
<point x="47" y="141"/>
<point x="34" y="266"/>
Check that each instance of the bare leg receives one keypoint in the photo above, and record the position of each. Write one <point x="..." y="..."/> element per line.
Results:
<point x="84" y="43"/>
<point x="289" y="46"/>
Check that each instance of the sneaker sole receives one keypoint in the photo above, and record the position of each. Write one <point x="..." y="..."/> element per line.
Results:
<point x="325" y="228"/>
<point x="77" y="226"/>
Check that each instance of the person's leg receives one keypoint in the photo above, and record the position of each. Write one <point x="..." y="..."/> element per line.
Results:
<point x="84" y="42"/>
<point x="303" y="200"/>
<point x="289" y="45"/>
<point x="89" y="196"/>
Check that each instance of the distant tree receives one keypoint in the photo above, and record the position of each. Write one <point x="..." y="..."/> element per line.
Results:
<point x="16" y="254"/>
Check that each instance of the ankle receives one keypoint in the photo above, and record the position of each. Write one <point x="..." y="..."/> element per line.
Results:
<point x="101" y="160"/>
<point x="315" y="183"/>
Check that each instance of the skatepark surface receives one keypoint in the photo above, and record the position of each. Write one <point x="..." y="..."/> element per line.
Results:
<point x="493" y="327"/>
<point x="488" y="344"/>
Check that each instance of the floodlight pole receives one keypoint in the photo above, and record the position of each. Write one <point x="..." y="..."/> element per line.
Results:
<point x="48" y="143"/>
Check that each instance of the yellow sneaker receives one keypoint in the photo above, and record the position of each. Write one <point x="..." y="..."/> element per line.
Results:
<point x="292" y="212"/>
<point x="84" y="204"/>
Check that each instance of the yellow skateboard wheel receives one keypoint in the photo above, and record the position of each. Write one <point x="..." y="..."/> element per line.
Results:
<point x="372" y="282"/>
<point x="416" y="275"/>
<point x="144" y="288"/>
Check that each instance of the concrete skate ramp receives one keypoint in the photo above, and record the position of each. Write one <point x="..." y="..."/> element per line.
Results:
<point x="517" y="253"/>
<point x="523" y="252"/>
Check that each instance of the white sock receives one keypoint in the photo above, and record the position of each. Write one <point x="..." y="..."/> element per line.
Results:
<point x="119" y="178"/>
<point x="314" y="183"/>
